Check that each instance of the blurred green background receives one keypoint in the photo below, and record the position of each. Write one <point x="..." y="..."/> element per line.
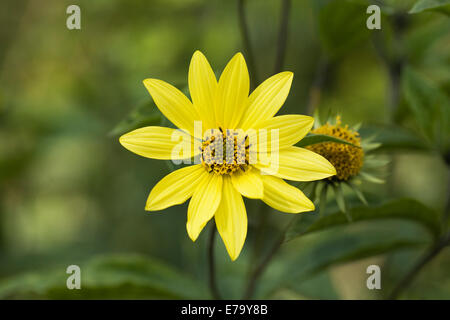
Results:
<point x="70" y="194"/>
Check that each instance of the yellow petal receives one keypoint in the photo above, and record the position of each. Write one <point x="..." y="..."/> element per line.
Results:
<point x="299" y="164"/>
<point x="202" y="86"/>
<point x="266" y="100"/>
<point x="173" y="104"/>
<point x="232" y="93"/>
<point x="231" y="219"/>
<point x="249" y="184"/>
<point x="283" y="197"/>
<point x="291" y="129"/>
<point x="203" y="204"/>
<point x="175" y="188"/>
<point x="159" y="143"/>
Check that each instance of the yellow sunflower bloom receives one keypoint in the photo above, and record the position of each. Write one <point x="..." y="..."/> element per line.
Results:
<point x="216" y="187"/>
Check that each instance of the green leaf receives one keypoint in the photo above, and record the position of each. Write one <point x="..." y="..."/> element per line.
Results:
<point x="315" y="252"/>
<point x="405" y="209"/>
<point x="429" y="105"/>
<point x="323" y="199"/>
<point x="354" y="244"/>
<point x="431" y="5"/>
<point x="370" y="178"/>
<point x="313" y="138"/>
<point x="340" y="200"/>
<point x="146" y="114"/>
<point x="358" y="193"/>
<point x="394" y="138"/>
<point x="109" y="277"/>
<point x="319" y="286"/>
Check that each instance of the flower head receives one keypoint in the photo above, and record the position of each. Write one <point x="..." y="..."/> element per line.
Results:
<point x="346" y="158"/>
<point x="353" y="161"/>
<point x="232" y="157"/>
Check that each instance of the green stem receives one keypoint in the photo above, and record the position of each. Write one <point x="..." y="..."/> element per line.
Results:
<point x="259" y="236"/>
<point x="426" y="258"/>
<point x="259" y="270"/>
<point x="211" y="263"/>
<point x="243" y="26"/>
<point x="315" y="92"/>
<point x="282" y="35"/>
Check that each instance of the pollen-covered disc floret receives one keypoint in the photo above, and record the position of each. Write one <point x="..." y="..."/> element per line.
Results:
<point x="225" y="152"/>
<point x="347" y="159"/>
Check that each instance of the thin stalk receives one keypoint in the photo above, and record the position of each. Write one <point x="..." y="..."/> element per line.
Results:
<point x="243" y="26"/>
<point x="259" y="270"/>
<point x="446" y="214"/>
<point x="282" y="35"/>
<point x="315" y="92"/>
<point x="426" y="258"/>
<point x="394" y="64"/>
<point x="259" y="235"/>
<point x="211" y="265"/>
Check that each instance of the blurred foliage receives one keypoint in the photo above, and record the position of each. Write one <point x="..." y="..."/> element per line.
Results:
<point x="397" y="209"/>
<point x="431" y="5"/>
<point x="116" y="277"/>
<point x="70" y="194"/>
<point x="313" y="138"/>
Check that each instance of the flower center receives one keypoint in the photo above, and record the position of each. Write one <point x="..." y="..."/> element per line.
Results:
<point x="225" y="152"/>
<point x="347" y="159"/>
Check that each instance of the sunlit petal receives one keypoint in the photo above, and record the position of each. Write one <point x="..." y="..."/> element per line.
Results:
<point x="249" y="184"/>
<point x="232" y="93"/>
<point x="299" y="164"/>
<point x="266" y="100"/>
<point x="231" y="219"/>
<point x="173" y="104"/>
<point x="175" y="188"/>
<point x="159" y="143"/>
<point x="203" y="204"/>
<point x="283" y="197"/>
<point x="291" y="129"/>
<point x="202" y="87"/>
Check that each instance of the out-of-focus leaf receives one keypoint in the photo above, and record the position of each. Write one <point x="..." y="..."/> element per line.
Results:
<point x="342" y="24"/>
<point x="370" y="177"/>
<point x="394" y="138"/>
<point x="431" y="5"/>
<point x="406" y="209"/>
<point x="146" y="114"/>
<point x="346" y="243"/>
<point x="340" y="200"/>
<point x="112" y="277"/>
<point x="319" y="286"/>
<point x="429" y="105"/>
<point x="434" y="283"/>
<point x="313" y="138"/>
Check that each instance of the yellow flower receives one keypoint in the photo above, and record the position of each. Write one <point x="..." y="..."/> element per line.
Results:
<point x="347" y="159"/>
<point x="354" y="162"/>
<point x="216" y="188"/>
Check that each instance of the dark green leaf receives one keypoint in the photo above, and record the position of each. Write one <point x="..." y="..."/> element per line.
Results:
<point x="394" y="138"/>
<point x="111" y="277"/>
<point x="431" y="5"/>
<point x="319" y="286"/>
<point x="429" y="105"/>
<point x="315" y="252"/>
<point x="313" y="138"/>
<point x="397" y="209"/>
